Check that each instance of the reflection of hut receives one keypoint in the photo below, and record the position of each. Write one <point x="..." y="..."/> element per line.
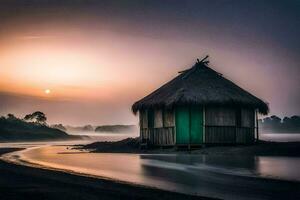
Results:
<point x="198" y="106"/>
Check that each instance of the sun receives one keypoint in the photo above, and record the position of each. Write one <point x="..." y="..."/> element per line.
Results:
<point x="47" y="91"/>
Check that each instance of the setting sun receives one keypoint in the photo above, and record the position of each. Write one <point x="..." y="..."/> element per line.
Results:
<point x="47" y="91"/>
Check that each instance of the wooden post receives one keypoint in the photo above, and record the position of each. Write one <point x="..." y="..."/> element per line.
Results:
<point x="174" y="122"/>
<point x="237" y="116"/>
<point x="163" y="117"/>
<point x="257" y="134"/>
<point x="203" y="141"/>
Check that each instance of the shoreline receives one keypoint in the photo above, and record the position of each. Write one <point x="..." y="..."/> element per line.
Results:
<point x="22" y="182"/>
<point x="68" y="138"/>
<point x="132" y="190"/>
<point x="25" y="162"/>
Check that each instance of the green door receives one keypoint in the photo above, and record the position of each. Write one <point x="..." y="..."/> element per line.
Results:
<point x="182" y="125"/>
<point x="189" y="125"/>
<point x="196" y="125"/>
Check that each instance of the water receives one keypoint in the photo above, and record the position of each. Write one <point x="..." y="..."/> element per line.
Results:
<point x="112" y="164"/>
<point x="213" y="176"/>
<point x="280" y="137"/>
<point x="220" y="176"/>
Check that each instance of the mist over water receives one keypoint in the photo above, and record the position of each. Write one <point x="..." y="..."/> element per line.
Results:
<point x="280" y="137"/>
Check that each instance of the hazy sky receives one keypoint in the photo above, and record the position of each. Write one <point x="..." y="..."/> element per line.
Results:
<point x="98" y="57"/>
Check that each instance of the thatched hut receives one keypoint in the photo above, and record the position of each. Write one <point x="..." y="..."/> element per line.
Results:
<point x="197" y="107"/>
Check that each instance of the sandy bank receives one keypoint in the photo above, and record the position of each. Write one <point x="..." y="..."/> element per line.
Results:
<point x="262" y="148"/>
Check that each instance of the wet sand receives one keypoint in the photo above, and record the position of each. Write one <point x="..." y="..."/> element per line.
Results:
<point x="22" y="182"/>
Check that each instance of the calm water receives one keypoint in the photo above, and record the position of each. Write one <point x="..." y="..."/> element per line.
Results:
<point x="280" y="137"/>
<point x="213" y="176"/>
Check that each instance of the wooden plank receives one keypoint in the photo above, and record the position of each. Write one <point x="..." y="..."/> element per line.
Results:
<point x="221" y="116"/>
<point x="203" y="125"/>
<point x="144" y="120"/>
<point x="150" y="118"/>
<point x="169" y="118"/>
<point x="219" y="134"/>
<point x="257" y="133"/>
<point x="247" y="116"/>
<point x="158" y="118"/>
<point x="161" y="136"/>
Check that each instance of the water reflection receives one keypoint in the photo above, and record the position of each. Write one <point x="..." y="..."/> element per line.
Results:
<point x="237" y="165"/>
<point x="194" y="174"/>
<point x="279" y="167"/>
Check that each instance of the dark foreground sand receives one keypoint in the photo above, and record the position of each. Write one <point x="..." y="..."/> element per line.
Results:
<point x="21" y="182"/>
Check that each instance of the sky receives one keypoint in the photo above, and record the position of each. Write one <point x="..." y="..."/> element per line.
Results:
<point x="96" y="58"/>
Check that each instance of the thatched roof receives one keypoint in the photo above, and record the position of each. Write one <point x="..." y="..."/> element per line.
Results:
<point x="200" y="85"/>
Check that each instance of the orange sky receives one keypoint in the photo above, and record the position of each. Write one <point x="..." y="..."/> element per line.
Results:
<point x="96" y="64"/>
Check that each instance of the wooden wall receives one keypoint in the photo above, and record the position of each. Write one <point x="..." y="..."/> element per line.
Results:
<point x="158" y="118"/>
<point x="220" y="116"/>
<point x="143" y="118"/>
<point x="163" y="131"/>
<point x="221" y="125"/>
<point x="159" y="136"/>
<point x="169" y="118"/>
<point x="248" y="118"/>
<point x="219" y="134"/>
<point x="245" y="135"/>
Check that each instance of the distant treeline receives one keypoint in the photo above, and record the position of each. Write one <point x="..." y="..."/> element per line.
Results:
<point x="31" y="127"/>
<point x="99" y="129"/>
<point x="116" y="128"/>
<point x="276" y="124"/>
<point x="78" y="129"/>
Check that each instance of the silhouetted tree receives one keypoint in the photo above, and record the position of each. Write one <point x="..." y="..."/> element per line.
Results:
<point x="13" y="128"/>
<point x="59" y="126"/>
<point x="11" y="116"/>
<point x="88" y="128"/>
<point x="28" y="117"/>
<point x="275" y="119"/>
<point x="275" y="124"/>
<point x="38" y="117"/>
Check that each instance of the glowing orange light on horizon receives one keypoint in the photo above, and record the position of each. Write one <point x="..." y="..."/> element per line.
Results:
<point x="47" y="91"/>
